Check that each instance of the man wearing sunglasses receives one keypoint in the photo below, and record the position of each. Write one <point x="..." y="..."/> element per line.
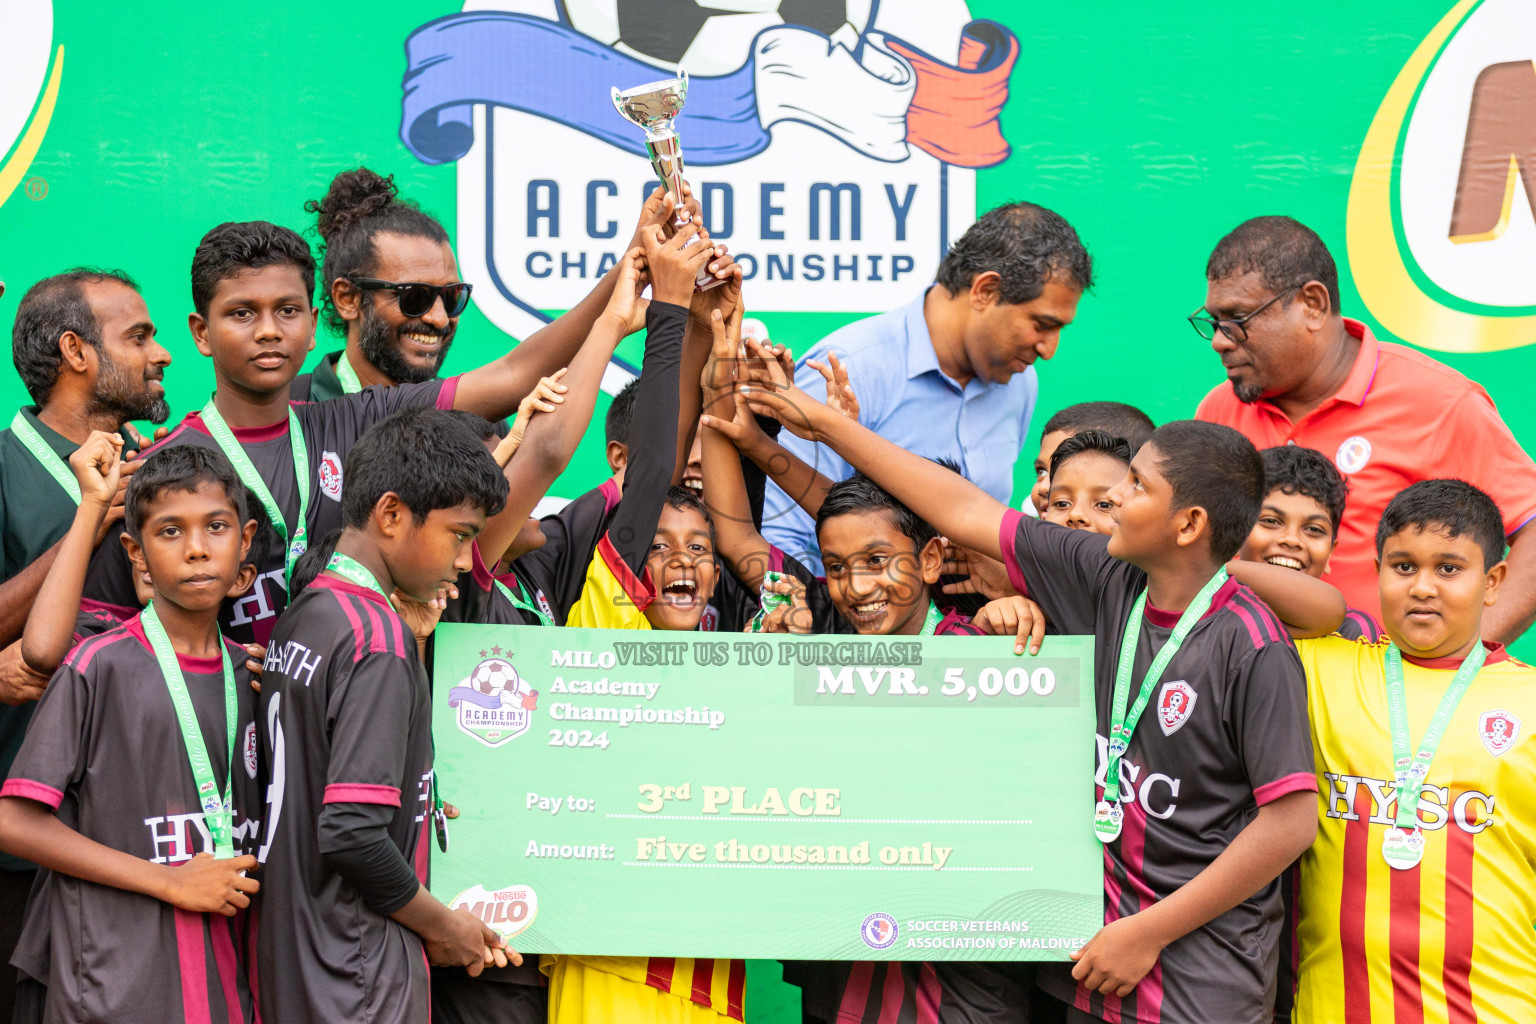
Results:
<point x="1388" y="416"/>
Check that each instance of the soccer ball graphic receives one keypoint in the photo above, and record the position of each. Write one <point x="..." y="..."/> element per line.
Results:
<point x="708" y="37"/>
<point x="493" y="675"/>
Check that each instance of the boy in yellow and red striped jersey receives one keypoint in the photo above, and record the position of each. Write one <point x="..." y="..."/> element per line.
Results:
<point x="1418" y="898"/>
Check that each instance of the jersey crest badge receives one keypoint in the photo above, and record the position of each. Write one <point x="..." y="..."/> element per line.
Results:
<point x="709" y="622"/>
<point x="1353" y="454"/>
<point x="494" y="704"/>
<point x="1498" y="730"/>
<point x="248" y="745"/>
<point x="1174" y="705"/>
<point x="330" y="475"/>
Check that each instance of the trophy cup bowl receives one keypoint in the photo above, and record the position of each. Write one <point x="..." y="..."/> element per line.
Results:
<point x="653" y="107"/>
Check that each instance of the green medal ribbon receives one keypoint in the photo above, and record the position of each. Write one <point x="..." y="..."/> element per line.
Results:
<point x="1107" y="814"/>
<point x="350" y="385"/>
<point x="439" y="816"/>
<point x="296" y="539"/>
<point x="45" y="455"/>
<point x="521" y="601"/>
<point x="218" y="811"/>
<point x="353" y="571"/>
<point x="1403" y="846"/>
<point x="931" y="620"/>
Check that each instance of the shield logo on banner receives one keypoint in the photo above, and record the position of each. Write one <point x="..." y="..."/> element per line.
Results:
<point x="1498" y="730"/>
<point x="1174" y="703"/>
<point x="832" y="144"/>
<point x="494" y="703"/>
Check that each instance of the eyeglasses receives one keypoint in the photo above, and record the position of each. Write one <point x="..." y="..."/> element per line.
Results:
<point x="417" y="299"/>
<point x="1237" y="330"/>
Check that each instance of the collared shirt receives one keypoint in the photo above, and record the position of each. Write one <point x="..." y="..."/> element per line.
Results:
<point x="906" y="399"/>
<point x="1400" y="417"/>
<point x="320" y="384"/>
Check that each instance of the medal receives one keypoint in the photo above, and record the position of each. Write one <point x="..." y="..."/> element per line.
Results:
<point x="1403" y="849"/>
<point x="218" y="811"/>
<point x="1107" y="813"/>
<point x="1107" y="818"/>
<point x="1403" y="845"/>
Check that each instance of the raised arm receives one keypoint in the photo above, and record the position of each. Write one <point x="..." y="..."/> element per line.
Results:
<point x="737" y="540"/>
<point x="1307" y="606"/>
<point x="495" y="389"/>
<point x="551" y="438"/>
<point x="652" y="430"/>
<point x="50" y="630"/>
<point x="955" y="507"/>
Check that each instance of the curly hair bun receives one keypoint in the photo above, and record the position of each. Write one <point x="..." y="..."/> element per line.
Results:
<point x="353" y="196"/>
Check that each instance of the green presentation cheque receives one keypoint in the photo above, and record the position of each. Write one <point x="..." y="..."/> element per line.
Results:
<point x="842" y="798"/>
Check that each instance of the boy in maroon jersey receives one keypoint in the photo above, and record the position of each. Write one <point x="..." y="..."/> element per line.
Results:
<point x="139" y="802"/>
<point x="1202" y="808"/>
<point x="347" y="926"/>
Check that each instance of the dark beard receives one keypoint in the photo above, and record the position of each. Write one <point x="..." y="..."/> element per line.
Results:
<point x="126" y="398"/>
<point x="380" y="344"/>
<point x="1248" y="393"/>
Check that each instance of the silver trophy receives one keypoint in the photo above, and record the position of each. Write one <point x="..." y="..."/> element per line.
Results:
<point x="653" y="107"/>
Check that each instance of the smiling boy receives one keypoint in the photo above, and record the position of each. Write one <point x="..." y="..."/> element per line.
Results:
<point x="1418" y="897"/>
<point x="1191" y="890"/>
<point x="1298" y="525"/>
<point x="252" y="285"/>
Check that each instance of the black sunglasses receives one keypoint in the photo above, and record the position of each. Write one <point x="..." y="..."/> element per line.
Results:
<point x="1237" y="330"/>
<point x="417" y="299"/>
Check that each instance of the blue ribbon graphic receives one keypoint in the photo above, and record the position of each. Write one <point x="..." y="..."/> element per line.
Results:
<point x="545" y="68"/>
<point x="462" y="694"/>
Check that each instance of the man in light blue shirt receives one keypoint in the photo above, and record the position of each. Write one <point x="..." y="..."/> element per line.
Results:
<point x="952" y="375"/>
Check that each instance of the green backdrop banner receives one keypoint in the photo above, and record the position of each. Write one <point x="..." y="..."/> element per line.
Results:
<point x="768" y="797"/>
<point x="129" y="130"/>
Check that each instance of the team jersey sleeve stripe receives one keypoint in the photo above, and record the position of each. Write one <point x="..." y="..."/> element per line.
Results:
<point x="1254" y="632"/>
<point x="362" y="793"/>
<point x="115" y="613"/>
<point x="356" y="622"/>
<point x="775" y="558"/>
<point x="447" y="393"/>
<point x="1296" y="782"/>
<point x="80" y="657"/>
<point x="639" y="589"/>
<point x="478" y="570"/>
<point x="194" y="968"/>
<point x="1007" y="537"/>
<point x="1459" y="923"/>
<point x="33" y="791"/>
<point x="609" y="489"/>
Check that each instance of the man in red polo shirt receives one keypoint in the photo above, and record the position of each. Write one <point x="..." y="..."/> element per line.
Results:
<point x="1387" y="415"/>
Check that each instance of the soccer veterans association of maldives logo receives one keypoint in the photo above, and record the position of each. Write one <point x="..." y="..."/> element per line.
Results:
<point x="832" y="143"/>
<point x="1442" y="208"/>
<point x="878" y="931"/>
<point x="494" y="704"/>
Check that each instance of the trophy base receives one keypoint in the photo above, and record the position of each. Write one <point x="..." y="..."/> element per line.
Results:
<point x="706" y="281"/>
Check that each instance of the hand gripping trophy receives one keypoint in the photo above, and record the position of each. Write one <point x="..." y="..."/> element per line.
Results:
<point x="653" y="107"/>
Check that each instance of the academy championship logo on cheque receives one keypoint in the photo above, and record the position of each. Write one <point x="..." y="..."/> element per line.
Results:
<point x="493" y="704"/>
<point x="832" y="143"/>
<point x="1442" y="208"/>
